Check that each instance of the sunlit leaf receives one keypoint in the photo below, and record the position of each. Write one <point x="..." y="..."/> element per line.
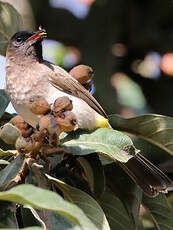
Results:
<point x="48" y="200"/>
<point x="4" y="99"/>
<point x="160" y="210"/>
<point x="154" y="128"/>
<point x="4" y="162"/>
<point x="110" y="143"/>
<point x="89" y="206"/>
<point x="10" y="22"/>
<point x="5" y="153"/>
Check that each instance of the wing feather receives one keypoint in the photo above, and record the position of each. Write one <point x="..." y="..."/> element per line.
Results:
<point x="63" y="81"/>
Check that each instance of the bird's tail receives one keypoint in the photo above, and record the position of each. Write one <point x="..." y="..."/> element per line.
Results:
<point x="150" y="178"/>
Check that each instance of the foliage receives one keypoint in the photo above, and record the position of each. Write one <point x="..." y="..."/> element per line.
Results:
<point x="81" y="190"/>
<point x="10" y="22"/>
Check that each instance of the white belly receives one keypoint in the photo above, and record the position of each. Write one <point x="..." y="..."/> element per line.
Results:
<point x="85" y="115"/>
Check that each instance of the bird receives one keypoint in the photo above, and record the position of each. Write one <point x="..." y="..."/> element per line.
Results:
<point x="29" y="75"/>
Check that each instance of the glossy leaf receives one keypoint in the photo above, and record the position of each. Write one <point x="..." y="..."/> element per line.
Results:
<point x="10" y="22"/>
<point x="127" y="191"/>
<point x="89" y="206"/>
<point x="109" y="143"/>
<point x="4" y="99"/>
<point x="48" y="200"/>
<point x="10" y="171"/>
<point x="115" y="212"/>
<point x="160" y="210"/>
<point x="154" y="128"/>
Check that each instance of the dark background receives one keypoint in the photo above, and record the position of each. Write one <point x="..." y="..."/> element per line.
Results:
<point x="141" y="26"/>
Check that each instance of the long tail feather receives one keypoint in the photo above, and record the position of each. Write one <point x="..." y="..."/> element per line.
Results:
<point x="150" y="178"/>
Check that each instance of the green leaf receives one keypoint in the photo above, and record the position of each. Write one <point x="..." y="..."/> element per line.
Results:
<point x="27" y="217"/>
<point x="110" y="143"/>
<point x="8" y="215"/>
<point x="5" y="153"/>
<point x="4" y="162"/>
<point x="5" y="147"/>
<point x="115" y="212"/>
<point x="48" y="200"/>
<point x="35" y="214"/>
<point x="10" y="171"/>
<point x="89" y="206"/>
<point x="46" y="218"/>
<point x="160" y="210"/>
<point x="10" y="22"/>
<point x="29" y="228"/>
<point x="4" y="99"/>
<point x="54" y="220"/>
<point x="5" y="118"/>
<point x="127" y="191"/>
<point x="154" y="128"/>
<point x="140" y="225"/>
<point x="94" y="172"/>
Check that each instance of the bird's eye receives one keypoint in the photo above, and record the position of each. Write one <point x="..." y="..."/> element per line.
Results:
<point x="18" y="39"/>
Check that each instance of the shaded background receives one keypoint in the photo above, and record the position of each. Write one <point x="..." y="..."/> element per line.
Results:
<point x="129" y="44"/>
<point x="120" y="40"/>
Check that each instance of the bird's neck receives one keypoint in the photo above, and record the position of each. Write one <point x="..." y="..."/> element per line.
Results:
<point x="35" y="52"/>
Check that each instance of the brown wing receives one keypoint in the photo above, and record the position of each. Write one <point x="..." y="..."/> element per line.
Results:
<point x="63" y="81"/>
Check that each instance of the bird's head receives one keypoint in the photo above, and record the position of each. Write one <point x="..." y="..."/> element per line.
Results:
<point x="26" y="43"/>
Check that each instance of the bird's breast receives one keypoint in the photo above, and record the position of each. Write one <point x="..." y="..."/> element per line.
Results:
<point x="86" y="116"/>
<point x="22" y="84"/>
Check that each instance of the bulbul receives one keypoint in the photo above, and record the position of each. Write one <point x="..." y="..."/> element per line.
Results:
<point x="29" y="75"/>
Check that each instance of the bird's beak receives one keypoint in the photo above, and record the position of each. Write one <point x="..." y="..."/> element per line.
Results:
<point x="37" y="36"/>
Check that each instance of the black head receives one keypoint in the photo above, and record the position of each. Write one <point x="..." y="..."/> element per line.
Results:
<point x="26" y="43"/>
